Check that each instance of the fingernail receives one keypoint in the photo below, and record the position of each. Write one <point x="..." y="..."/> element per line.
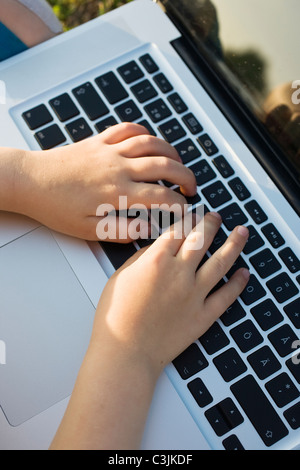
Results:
<point x="216" y="214"/>
<point x="246" y="273"/>
<point x="243" y="231"/>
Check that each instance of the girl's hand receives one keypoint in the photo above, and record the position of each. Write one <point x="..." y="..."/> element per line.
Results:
<point x="158" y="303"/>
<point x="63" y="187"/>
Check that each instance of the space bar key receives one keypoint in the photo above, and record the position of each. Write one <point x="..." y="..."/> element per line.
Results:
<point x="259" y="410"/>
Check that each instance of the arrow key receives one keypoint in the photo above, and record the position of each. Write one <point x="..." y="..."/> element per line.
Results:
<point x="200" y="392"/>
<point x="231" y="413"/>
<point x="217" y="421"/>
<point x="79" y="130"/>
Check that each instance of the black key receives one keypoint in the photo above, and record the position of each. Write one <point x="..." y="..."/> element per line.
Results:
<point x="292" y="415"/>
<point x="144" y="91"/>
<point x="223" y="166"/>
<point x="265" y="263"/>
<point x="79" y="130"/>
<point x="298" y="279"/>
<point x="172" y="131"/>
<point x="149" y="64"/>
<point x="267" y="314"/>
<point x="214" y="339"/>
<point x="147" y="125"/>
<point x="253" y="292"/>
<point x="203" y="172"/>
<point x="64" y="107"/>
<point x="130" y="72"/>
<point x="200" y="393"/>
<point x="208" y="145"/>
<point x="217" y="421"/>
<point x="163" y="83"/>
<point x="216" y="194"/>
<point x="90" y="101"/>
<point x="232" y="216"/>
<point x="239" y="189"/>
<point x="224" y="417"/>
<point x="283" y="339"/>
<point x="143" y="242"/>
<point x="256" y="212"/>
<point x="232" y="443"/>
<point x="259" y="410"/>
<point x="254" y="242"/>
<point x="106" y="124"/>
<point x="187" y="151"/>
<point x="50" y="137"/>
<point x="192" y="124"/>
<point x="230" y="365"/>
<point x="282" y="390"/>
<point x="293" y="312"/>
<point x="246" y="336"/>
<point x="177" y="103"/>
<point x="264" y="362"/>
<point x="111" y="88"/>
<point x="157" y="110"/>
<point x="272" y="234"/>
<point x="290" y="260"/>
<point x="190" y="362"/>
<point x="118" y="253"/>
<point x="128" y="112"/>
<point x="282" y="287"/>
<point x="218" y="241"/>
<point x="231" y="413"/>
<point x="37" y="117"/>
<point x="233" y="314"/>
<point x="294" y="364"/>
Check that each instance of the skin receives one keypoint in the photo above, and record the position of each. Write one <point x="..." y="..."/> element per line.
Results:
<point x="62" y="188"/>
<point x="28" y="27"/>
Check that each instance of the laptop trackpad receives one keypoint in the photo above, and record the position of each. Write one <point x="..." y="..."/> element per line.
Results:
<point x="46" y="320"/>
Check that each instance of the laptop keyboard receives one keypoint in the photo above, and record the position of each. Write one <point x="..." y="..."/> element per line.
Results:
<point x="240" y="381"/>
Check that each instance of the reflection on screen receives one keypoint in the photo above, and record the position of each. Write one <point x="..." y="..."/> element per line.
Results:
<point x="255" y="45"/>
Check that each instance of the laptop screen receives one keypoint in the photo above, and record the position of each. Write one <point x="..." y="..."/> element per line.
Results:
<point x="255" y="46"/>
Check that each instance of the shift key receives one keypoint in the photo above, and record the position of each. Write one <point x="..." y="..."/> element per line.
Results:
<point x="259" y="410"/>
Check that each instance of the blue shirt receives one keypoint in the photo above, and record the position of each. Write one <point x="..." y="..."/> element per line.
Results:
<point x="10" y="44"/>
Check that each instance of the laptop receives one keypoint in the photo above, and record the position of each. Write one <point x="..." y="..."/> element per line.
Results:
<point x="188" y="72"/>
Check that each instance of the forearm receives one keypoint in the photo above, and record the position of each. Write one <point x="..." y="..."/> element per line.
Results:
<point x="109" y="405"/>
<point x="11" y="174"/>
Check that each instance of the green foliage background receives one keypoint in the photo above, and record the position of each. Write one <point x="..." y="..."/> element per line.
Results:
<point x="75" y="12"/>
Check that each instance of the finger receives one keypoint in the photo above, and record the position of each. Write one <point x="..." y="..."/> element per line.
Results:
<point x="199" y="240"/>
<point x="120" y="229"/>
<point x="218" y="302"/>
<point x="121" y="132"/>
<point x="173" y="238"/>
<point x="156" y="196"/>
<point x="163" y="168"/>
<point x="145" y="145"/>
<point x="222" y="260"/>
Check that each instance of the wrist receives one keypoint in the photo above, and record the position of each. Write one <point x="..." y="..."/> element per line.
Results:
<point x="11" y="178"/>
<point x="123" y="359"/>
